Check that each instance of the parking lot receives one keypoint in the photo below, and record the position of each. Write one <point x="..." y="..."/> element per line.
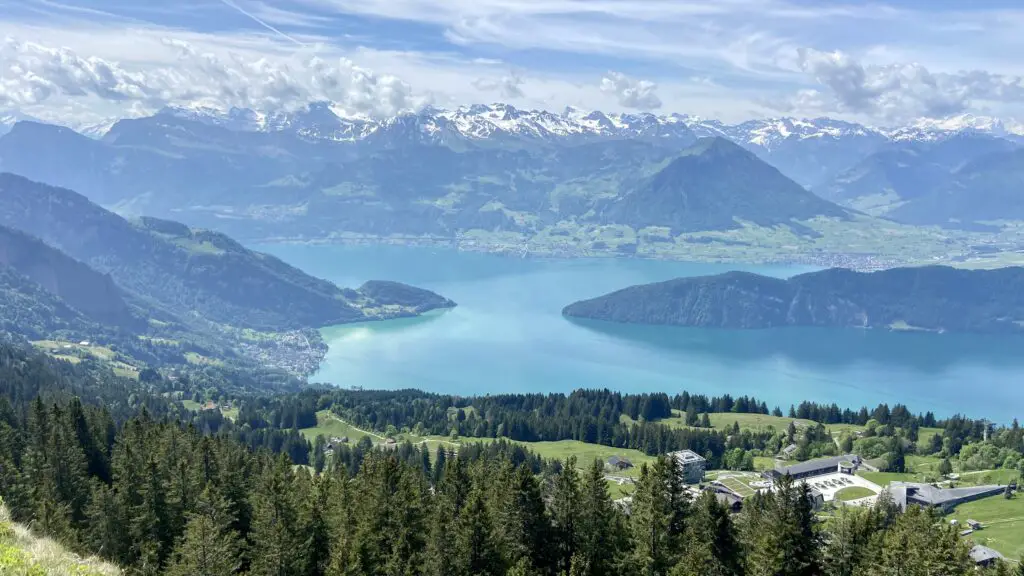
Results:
<point x="830" y="484"/>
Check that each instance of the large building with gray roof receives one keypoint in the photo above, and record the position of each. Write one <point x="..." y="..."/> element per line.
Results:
<point x="847" y="464"/>
<point x="929" y="496"/>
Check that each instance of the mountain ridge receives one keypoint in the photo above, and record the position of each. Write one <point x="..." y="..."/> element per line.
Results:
<point x="928" y="298"/>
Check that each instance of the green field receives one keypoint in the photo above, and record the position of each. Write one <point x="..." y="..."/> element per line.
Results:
<point x="738" y="486"/>
<point x="191" y="405"/>
<point x="586" y="454"/>
<point x="1002" y="476"/>
<point x="755" y="422"/>
<point x="723" y="420"/>
<point x="853" y="493"/>
<point x="1002" y="523"/>
<point x="329" y="425"/>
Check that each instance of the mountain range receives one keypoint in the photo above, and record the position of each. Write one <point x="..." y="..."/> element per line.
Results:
<point x="158" y="280"/>
<point x="928" y="298"/>
<point x="498" y="174"/>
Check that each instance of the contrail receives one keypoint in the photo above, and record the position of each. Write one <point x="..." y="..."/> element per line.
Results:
<point x="243" y="11"/>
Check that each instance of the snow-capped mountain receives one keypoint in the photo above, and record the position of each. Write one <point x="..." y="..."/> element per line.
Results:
<point x="933" y="129"/>
<point x="9" y="118"/>
<point x="504" y="123"/>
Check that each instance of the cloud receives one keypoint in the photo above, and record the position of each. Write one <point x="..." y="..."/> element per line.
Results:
<point x="507" y="86"/>
<point x="631" y="93"/>
<point x="33" y="74"/>
<point x="896" y="91"/>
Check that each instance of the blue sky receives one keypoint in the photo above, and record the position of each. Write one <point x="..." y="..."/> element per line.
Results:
<point x="881" y="63"/>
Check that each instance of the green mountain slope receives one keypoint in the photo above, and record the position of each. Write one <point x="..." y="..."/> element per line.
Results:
<point x="935" y="298"/>
<point x="989" y="188"/>
<point x="94" y="295"/>
<point x="711" y="186"/>
<point x="964" y="178"/>
<point x="191" y="272"/>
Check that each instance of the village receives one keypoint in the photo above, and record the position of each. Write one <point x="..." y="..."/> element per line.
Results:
<point x="833" y="482"/>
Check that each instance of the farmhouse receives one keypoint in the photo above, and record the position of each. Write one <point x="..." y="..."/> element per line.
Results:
<point x="619" y="463"/>
<point x="928" y="496"/>
<point x="733" y="502"/>
<point x="984" y="556"/>
<point x="843" y="464"/>
<point x="692" y="464"/>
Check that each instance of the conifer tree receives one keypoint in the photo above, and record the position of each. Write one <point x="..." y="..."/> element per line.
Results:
<point x="276" y="548"/>
<point x="106" y="534"/>
<point x="475" y="552"/>
<point x="711" y="548"/>
<point x="209" y="547"/>
<point x="846" y="551"/>
<point x="565" y="512"/>
<point x="316" y="528"/>
<point x="649" y="524"/>
<point x="523" y="526"/>
<point x="601" y="535"/>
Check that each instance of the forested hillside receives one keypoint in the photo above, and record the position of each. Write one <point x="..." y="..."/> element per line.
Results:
<point x="186" y="271"/>
<point x="127" y="474"/>
<point x="934" y="298"/>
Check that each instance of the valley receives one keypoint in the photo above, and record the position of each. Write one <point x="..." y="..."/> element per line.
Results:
<point x="573" y="184"/>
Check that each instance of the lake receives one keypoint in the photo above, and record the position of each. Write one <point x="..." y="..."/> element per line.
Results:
<point x="507" y="335"/>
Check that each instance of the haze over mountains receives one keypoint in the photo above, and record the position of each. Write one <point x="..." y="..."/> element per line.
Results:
<point x="319" y="174"/>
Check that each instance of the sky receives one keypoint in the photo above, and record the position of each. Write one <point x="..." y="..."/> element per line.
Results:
<point x="878" y="63"/>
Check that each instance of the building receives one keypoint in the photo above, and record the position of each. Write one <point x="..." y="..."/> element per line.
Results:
<point x="817" y="499"/>
<point x="619" y="463"/>
<point x="843" y="464"/>
<point x="928" y="496"/>
<point x="984" y="556"/>
<point x="692" y="465"/>
<point x="733" y="502"/>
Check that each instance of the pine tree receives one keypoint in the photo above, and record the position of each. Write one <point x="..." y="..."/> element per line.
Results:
<point x="316" y="528"/>
<point x="711" y="547"/>
<point x="475" y="552"/>
<point x="565" y="513"/>
<point x="778" y="531"/>
<point x="276" y="550"/>
<point x="106" y="535"/>
<point x="846" y="551"/>
<point x="649" y="523"/>
<point x="523" y="526"/>
<point x="601" y="534"/>
<point x="209" y="547"/>
<point x="451" y="495"/>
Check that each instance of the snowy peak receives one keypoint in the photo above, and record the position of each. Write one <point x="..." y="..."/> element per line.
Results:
<point x="505" y="124"/>
<point x="934" y="129"/>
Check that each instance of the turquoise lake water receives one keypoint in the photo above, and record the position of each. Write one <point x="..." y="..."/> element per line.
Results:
<point x="508" y="335"/>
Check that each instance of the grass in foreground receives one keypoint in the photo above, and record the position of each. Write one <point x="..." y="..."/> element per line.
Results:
<point x="1002" y="523"/>
<point x="23" y="554"/>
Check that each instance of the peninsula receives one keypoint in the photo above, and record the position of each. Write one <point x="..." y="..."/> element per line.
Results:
<point x="931" y="298"/>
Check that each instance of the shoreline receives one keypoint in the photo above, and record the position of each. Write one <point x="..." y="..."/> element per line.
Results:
<point x="861" y="262"/>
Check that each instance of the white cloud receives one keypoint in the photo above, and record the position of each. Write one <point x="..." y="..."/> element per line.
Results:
<point x="897" y="91"/>
<point x="33" y="74"/>
<point x="508" y="86"/>
<point x="631" y="93"/>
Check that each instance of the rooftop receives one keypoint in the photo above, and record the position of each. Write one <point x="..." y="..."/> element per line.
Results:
<point x="812" y="465"/>
<point x="686" y="456"/>
<point x="935" y="496"/>
<point x="984" y="554"/>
